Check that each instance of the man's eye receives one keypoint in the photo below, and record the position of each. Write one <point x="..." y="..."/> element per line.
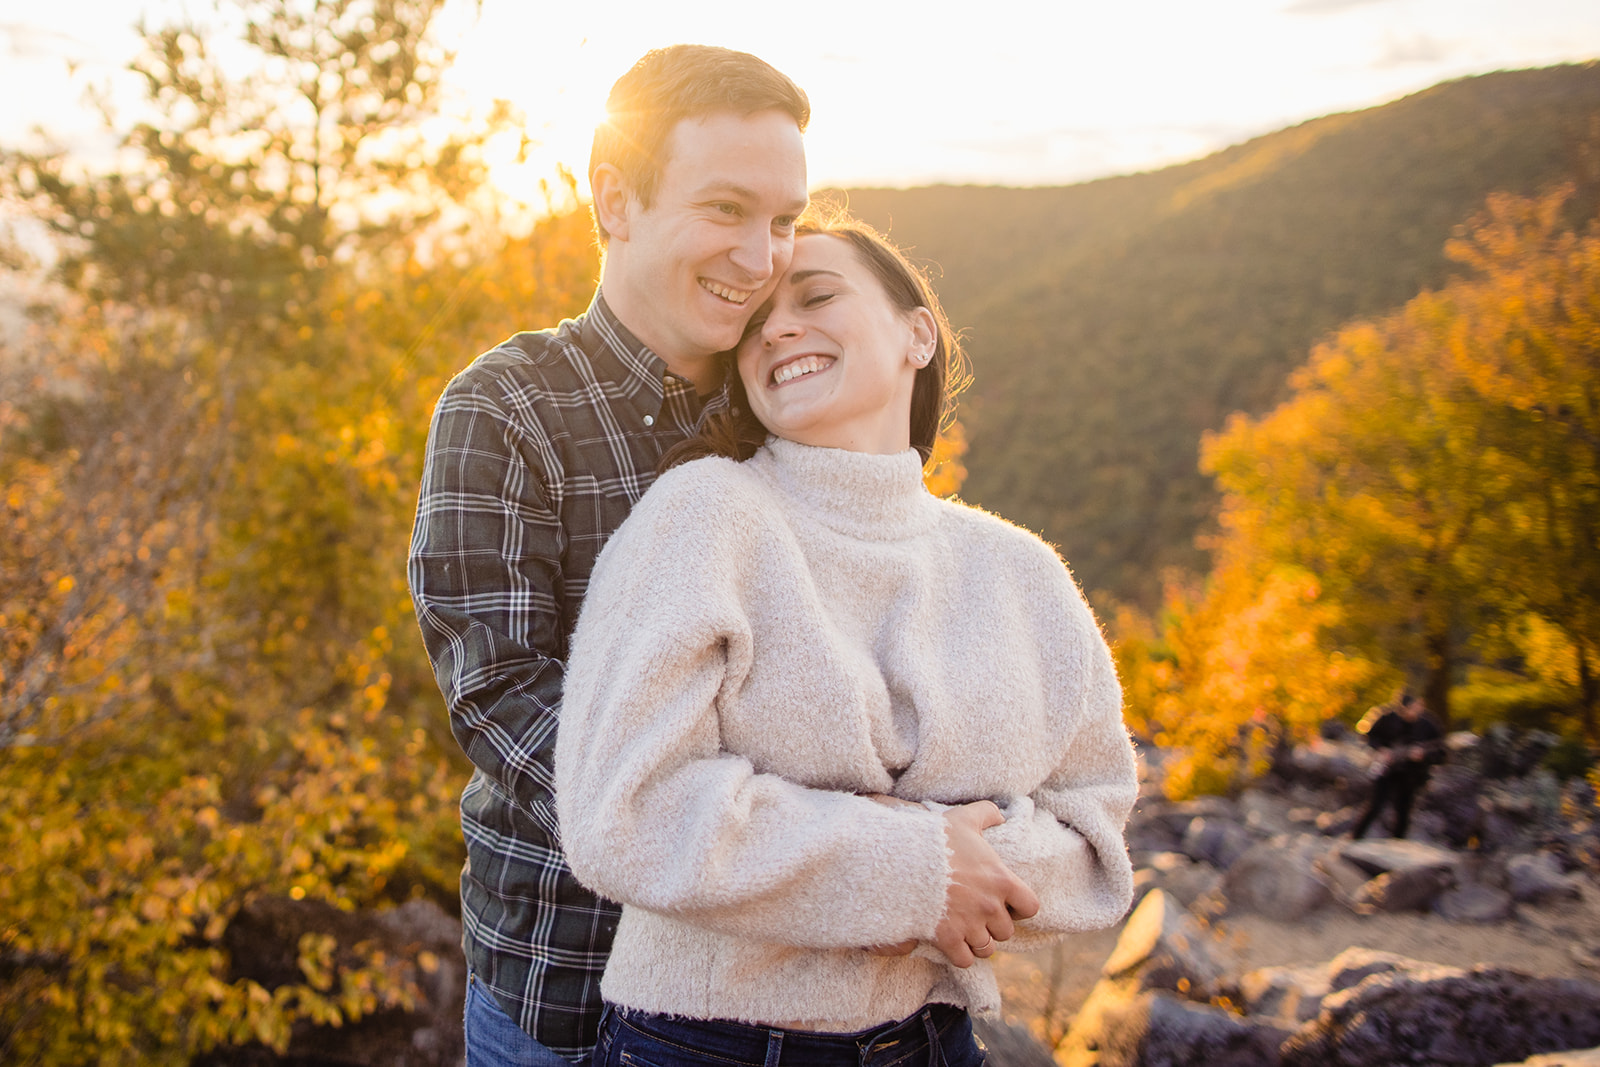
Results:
<point x="727" y="209"/>
<point x="785" y="223"/>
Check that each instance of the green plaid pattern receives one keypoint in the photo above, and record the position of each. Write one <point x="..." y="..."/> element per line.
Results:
<point x="536" y="454"/>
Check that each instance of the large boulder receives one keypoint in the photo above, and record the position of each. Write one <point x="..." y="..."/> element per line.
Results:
<point x="1475" y="903"/>
<point x="1289" y="995"/>
<point x="1589" y="1057"/>
<point x="1444" y="1016"/>
<point x="1182" y="878"/>
<point x="1264" y="813"/>
<point x="1119" y="1027"/>
<point x="1162" y="946"/>
<point x="1216" y="840"/>
<point x="1539" y="879"/>
<point x="1279" y="879"/>
<point x="1409" y="889"/>
<point x="1386" y="856"/>
<point x="1455" y="795"/>
<point x="1337" y="767"/>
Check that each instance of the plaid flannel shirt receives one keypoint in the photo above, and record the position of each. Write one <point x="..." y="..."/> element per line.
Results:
<point x="536" y="453"/>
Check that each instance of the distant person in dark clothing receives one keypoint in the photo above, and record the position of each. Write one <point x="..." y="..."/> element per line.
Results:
<point x="1409" y="743"/>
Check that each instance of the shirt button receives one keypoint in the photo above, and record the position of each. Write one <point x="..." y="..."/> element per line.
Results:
<point x="649" y="420"/>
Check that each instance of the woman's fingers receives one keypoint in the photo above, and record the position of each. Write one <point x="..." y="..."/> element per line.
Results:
<point x="983" y="892"/>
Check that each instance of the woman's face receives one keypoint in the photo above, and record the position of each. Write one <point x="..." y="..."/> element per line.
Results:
<point x="829" y="360"/>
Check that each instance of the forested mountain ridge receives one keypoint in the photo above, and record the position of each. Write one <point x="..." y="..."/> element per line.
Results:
<point x="1111" y="323"/>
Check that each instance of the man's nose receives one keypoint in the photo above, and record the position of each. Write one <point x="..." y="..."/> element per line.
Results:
<point x="753" y="253"/>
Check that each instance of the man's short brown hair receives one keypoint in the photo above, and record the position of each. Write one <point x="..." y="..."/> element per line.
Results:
<point x="671" y="84"/>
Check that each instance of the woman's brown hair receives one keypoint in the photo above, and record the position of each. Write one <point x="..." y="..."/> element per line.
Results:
<point x="737" y="433"/>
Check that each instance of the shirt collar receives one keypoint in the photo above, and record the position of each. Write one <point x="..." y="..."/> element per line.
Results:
<point x="629" y="362"/>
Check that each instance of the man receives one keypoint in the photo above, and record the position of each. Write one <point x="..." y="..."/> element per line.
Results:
<point x="536" y="454"/>
<point x="1409" y="742"/>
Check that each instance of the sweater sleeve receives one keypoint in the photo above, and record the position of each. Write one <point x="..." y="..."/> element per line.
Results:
<point x="654" y="813"/>
<point x="1065" y="839"/>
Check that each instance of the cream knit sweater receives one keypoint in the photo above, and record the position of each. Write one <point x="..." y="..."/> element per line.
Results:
<point x="763" y="641"/>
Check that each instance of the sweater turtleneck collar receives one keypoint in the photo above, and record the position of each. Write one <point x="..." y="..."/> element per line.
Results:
<point x="862" y="494"/>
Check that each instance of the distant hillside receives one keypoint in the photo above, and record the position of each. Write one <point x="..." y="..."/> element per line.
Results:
<point x="1111" y="323"/>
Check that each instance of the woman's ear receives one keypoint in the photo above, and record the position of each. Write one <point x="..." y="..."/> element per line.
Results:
<point x="612" y="198"/>
<point x="924" y="337"/>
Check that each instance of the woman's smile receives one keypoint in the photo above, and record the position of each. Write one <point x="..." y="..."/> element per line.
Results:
<point x="799" y="367"/>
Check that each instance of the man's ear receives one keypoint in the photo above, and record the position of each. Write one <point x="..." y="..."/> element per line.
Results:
<point x="612" y="198"/>
<point x="924" y="335"/>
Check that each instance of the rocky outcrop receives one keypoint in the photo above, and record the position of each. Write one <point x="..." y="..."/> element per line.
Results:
<point x="1438" y="1016"/>
<point x="1165" y="1000"/>
<point x="1485" y="846"/>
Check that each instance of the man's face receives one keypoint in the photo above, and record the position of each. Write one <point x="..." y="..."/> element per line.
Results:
<point x="718" y="235"/>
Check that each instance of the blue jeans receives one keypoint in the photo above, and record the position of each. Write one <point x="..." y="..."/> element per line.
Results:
<point x="495" y="1040"/>
<point x="937" y="1036"/>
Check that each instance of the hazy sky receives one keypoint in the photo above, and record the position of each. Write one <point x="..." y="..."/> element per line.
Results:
<point x="977" y="91"/>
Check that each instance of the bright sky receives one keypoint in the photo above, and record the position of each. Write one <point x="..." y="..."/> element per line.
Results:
<point x="985" y="91"/>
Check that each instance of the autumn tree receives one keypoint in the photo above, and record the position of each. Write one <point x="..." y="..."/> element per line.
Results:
<point x="1434" y="471"/>
<point x="210" y="689"/>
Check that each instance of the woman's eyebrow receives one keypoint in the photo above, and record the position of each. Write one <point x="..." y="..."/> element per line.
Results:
<point x="802" y="275"/>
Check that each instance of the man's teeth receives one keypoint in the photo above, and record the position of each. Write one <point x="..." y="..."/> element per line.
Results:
<point x="736" y="296"/>
<point x="790" y="371"/>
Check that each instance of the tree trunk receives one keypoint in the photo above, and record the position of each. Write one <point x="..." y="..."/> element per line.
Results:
<point x="1436" y="684"/>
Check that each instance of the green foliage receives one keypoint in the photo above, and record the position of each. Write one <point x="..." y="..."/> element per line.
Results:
<point x="1110" y="324"/>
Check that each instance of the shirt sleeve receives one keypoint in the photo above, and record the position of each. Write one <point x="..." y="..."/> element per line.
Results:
<point x="485" y="575"/>
<point x="656" y="814"/>
<point x="1066" y="839"/>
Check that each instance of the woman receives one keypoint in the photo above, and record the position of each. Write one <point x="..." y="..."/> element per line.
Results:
<point x="826" y="737"/>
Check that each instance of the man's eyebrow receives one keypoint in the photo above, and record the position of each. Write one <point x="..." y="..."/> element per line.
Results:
<point x="745" y="193"/>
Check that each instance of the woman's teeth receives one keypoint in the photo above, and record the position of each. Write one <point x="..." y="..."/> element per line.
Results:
<point x="790" y="371"/>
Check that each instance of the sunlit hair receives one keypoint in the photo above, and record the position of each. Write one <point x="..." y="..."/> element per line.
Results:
<point x="669" y="85"/>
<point x="738" y="433"/>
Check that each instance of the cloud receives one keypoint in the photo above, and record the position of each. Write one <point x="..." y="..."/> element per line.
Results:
<point x="1411" y="51"/>
<point x="24" y="41"/>
<point x="1324" y="7"/>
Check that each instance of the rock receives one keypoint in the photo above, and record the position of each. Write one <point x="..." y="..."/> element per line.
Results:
<point x="1344" y="879"/>
<point x="1454" y="794"/>
<point x="1538" y="878"/>
<point x="1116" y="1028"/>
<point x="1407" y="889"/>
<point x="1217" y="841"/>
<point x="1163" y="947"/>
<point x="1146" y="835"/>
<point x="1264" y="813"/>
<point x="1278" y="879"/>
<point x="1009" y="1045"/>
<point x="1388" y="856"/>
<point x="1339" y="822"/>
<point x="1475" y="903"/>
<point x="1446" y="1016"/>
<point x="422" y="944"/>
<point x="1291" y="995"/>
<point x="1355" y="965"/>
<point x="1185" y="880"/>
<point x="1589" y="1057"/>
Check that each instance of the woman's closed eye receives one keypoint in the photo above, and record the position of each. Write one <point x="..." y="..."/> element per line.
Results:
<point x="817" y="299"/>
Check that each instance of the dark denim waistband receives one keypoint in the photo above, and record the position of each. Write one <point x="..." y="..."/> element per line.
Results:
<point x="764" y="1046"/>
